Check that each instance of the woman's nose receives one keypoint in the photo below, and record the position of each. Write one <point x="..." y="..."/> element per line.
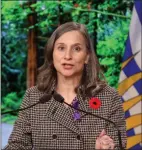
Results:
<point x="68" y="54"/>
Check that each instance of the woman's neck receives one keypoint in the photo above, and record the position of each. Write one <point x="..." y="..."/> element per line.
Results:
<point x="66" y="87"/>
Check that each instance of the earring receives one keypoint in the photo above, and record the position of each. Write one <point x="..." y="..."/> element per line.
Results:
<point x="86" y="69"/>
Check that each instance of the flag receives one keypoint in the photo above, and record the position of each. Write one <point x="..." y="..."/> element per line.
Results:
<point x="130" y="82"/>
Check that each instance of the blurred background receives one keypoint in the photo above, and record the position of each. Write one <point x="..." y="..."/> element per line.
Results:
<point x="26" y="27"/>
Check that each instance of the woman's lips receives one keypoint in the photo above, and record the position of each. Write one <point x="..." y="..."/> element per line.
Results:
<point x="67" y="66"/>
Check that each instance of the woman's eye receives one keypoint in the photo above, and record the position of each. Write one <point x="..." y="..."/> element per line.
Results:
<point x="61" y="48"/>
<point x="77" y="48"/>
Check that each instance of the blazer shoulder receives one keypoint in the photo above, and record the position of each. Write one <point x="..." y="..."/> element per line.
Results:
<point x="110" y="90"/>
<point x="33" y="90"/>
<point x="32" y="95"/>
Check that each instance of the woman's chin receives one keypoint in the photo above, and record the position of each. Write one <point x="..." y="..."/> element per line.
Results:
<point x="68" y="74"/>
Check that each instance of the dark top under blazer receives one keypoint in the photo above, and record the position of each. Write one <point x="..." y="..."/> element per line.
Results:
<point x="50" y="126"/>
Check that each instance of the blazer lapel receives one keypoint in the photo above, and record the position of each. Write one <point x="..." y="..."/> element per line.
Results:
<point x="58" y="112"/>
<point x="83" y="104"/>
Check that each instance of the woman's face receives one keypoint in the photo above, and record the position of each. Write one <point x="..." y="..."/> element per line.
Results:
<point x="70" y="54"/>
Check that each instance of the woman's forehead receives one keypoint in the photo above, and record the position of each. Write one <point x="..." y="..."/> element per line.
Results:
<point x="71" y="37"/>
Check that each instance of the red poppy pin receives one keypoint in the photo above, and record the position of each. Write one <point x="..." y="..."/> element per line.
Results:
<point x="94" y="103"/>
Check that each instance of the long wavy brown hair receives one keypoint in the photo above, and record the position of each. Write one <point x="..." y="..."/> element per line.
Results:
<point x="92" y="78"/>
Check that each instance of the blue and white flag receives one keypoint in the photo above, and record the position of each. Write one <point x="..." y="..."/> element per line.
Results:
<point x="130" y="82"/>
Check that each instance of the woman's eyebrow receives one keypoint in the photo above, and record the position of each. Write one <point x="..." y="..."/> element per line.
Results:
<point x="72" y="44"/>
<point x="60" y="43"/>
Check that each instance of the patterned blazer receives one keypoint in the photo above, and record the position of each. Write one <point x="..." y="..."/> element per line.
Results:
<point x="51" y="126"/>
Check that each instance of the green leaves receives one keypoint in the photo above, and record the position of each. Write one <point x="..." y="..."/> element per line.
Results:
<point x="108" y="61"/>
<point x="10" y="102"/>
<point x="14" y="49"/>
<point x="111" y="47"/>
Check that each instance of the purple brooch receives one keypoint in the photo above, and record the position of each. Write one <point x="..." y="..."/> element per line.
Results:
<point x="75" y="104"/>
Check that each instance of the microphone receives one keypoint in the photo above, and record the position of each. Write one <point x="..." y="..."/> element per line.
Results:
<point x="60" y="99"/>
<point x="45" y="98"/>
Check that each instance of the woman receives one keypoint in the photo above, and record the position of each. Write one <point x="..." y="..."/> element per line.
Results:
<point x="72" y="70"/>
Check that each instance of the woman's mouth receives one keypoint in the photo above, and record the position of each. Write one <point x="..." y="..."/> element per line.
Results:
<point x="67" y="66"/>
